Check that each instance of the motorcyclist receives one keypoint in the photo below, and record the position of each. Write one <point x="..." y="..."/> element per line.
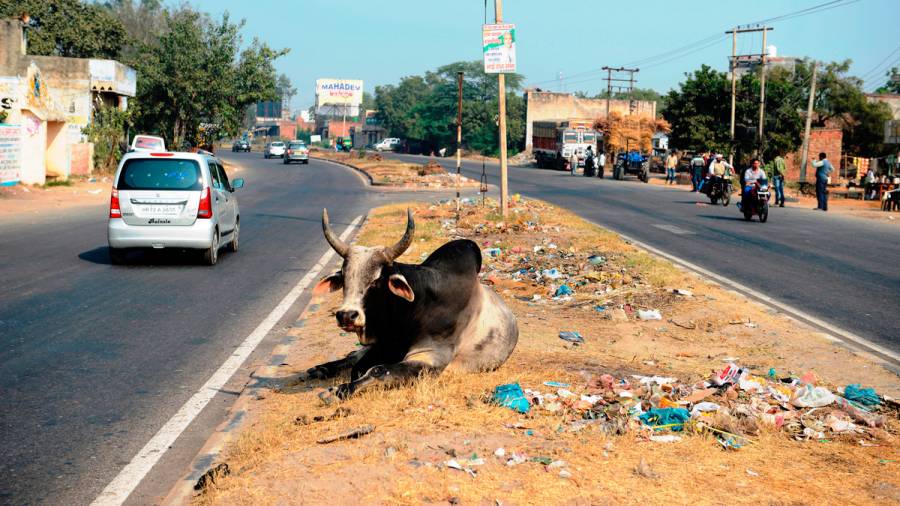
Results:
<point x="718" y="170"/>
<point x="752" y="177"/>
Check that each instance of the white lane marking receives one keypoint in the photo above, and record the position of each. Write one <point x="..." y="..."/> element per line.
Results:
<point x="131" y="475"/>
<point x="837" y="334"/>
<point x="672" y="228"/>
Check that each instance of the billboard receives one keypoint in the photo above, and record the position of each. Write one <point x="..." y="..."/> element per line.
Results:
<point x="341" y="92"/>
<point x="498" y="43"/>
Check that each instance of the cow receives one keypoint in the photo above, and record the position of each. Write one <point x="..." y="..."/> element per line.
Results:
<point x="414" y="319"/>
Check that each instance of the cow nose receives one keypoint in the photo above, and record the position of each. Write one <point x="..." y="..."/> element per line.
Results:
<point x="347" y="317"/>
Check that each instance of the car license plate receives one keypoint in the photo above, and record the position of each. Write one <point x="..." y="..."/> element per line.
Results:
<point x="160" y="210"/>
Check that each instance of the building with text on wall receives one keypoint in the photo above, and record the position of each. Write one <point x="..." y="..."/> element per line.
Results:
<point x="47" y="102"/>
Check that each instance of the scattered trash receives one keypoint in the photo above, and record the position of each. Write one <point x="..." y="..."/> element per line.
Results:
<point x="453" y="464"/>
<point x="665" y="418"/>
<point x="542" y="460"/>
<point x="96" y="191"/>
<point x="728" y="375"/>
<point x="685" y="293"/>
<point x="643" y="470"/>
<point x="551" y="273"/>
<point x="512" y="397"/>
<point x="571" y="336"/>
<point x="704" y="407"/>
<point x="599" y="309"/>
<point x="516" y="459"/>
<point x="499" y="452"/>
<point x="665" y="438"/>
<point x="563" y="290"/>
<point x="808" y="396"/>
<point x="751" y="472"/>
<point x="596" y="260"/>
<point x="564" y="473"/>
<point x="556" y="384"/>
<point x="350" y="434"/>
<point x="649" y="315"/>
<point x="864" y="396"/>
<point x="210" y="476"/>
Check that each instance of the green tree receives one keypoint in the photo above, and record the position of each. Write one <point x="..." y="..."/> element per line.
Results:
<point x="893" y="82"/>
<point x="68" y="28"/>
<point x="285" y="89"/>
<point x="423" y="108"/>
<point x="647" y="94"/>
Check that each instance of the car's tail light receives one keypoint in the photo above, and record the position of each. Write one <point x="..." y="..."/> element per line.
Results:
<point x="290" y="151"/>
<point x="205" y="209"/>
<point x="114" y="210"/>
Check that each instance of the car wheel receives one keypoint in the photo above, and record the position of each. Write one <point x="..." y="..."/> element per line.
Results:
<point x="116" y="256"/>
<point x="306" y="162"/>
<point x="211" y="255"/>
<point x="726" y="199"/>
<point x="233" y="245"/>
<point x="764" y="213"/>
<point x="286" y="161"/>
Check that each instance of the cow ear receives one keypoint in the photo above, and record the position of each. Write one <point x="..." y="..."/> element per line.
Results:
<point x="400" y="287"/>
<point x="329" y="284"/>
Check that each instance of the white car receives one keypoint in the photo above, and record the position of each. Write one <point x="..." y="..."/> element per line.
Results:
<point x="388" y="144"/>
<point x="162" y="199"/>
<point x="274" y="149"/>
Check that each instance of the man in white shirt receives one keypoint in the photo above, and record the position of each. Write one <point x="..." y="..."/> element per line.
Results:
<point x="573" y="162"/>
<point x="601" y="163"/>
<point x="751" y="176"/>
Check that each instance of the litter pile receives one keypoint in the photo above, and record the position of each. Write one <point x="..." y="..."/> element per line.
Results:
<point x="553" y="269"/>
<point x="733" y="405"/>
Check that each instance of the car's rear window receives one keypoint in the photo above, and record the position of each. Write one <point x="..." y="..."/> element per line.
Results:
<point x="160" y="174"/>
<point x="298" y="145"/>
<point x="278" y="144"/>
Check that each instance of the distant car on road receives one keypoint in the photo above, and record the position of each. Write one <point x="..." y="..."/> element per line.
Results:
<point x="296" y="152"/>
<point x="388" y="144"/>
<point x="240" y="145"/>
<point x="274" y="150"/>
<point x="172" y="200"/>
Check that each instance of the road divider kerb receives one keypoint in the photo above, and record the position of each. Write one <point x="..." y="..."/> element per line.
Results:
<point x="367" y="178"/>
<point x="829" y="331"/>
<point x="118" y="490"/>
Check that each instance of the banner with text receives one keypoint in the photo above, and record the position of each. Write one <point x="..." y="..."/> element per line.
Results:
<point x="10" y="154"/>
<point x="498" y="42"/>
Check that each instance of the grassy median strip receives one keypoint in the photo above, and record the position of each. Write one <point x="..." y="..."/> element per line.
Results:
<point x="396" y="173"/>
<point x="637" y="316"/>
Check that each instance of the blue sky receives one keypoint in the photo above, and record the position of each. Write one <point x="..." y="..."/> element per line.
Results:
<point x="382" y="41"/>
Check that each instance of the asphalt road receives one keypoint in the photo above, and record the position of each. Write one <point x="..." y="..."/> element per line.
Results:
<point x="843" y="270"/>
<point x="95" y="358"/>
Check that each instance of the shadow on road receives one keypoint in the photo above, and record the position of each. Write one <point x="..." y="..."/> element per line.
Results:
<point x="148" y="257"/>
<point x="725" y="218"/>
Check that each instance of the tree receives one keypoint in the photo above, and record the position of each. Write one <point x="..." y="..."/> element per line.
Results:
<point x="423" y="108"/>
<point x="68" y="28"/>
<point x="893" y="82"/>
<point x="144" y="22"/>
<point x="646" y="94"/>
<point x="285" y="90"/>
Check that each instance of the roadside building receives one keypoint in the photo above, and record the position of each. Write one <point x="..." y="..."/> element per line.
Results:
<point x="371" y="132"/>
<point x="45" y="104"/>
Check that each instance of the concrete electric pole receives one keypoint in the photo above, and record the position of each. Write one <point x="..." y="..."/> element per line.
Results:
<point x="459" y="91"/>
<point x="762" y="83"/>
<point x="804" y="155"/>
<point x="501" y="81"/>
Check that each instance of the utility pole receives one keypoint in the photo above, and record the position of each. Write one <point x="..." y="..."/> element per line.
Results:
<point x="610" y="80"/>
<point x="733" y="90"/>
<point x="501" y="82"/>
<point x="459" y="91"/>
<point x="762" y="95"/>
<point x="734" y="65"/>
<point x="804" y="155"/>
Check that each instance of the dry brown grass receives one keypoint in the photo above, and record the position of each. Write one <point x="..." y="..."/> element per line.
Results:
<point x="419" y="427"/>
<point x="386" y="172"/>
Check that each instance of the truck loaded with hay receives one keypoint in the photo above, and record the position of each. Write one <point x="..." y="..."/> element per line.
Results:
<point x="630" y="140"/>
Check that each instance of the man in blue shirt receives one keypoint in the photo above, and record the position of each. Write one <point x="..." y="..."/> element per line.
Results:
<point x="823" y="171"/>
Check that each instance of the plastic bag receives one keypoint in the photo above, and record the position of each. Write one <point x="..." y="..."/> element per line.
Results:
<point x="808" y="396"/>
<point x="512" y="397"/>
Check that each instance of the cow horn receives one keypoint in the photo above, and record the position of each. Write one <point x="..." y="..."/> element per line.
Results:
<point x="401" y="246"/>
<point x="339" y="246"/>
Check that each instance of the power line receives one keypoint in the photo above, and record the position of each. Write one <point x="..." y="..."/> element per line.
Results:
<point x="876" y="70"/>
<point x="693" y="47"/>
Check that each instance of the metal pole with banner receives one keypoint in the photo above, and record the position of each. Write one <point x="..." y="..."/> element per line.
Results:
<point x="498" y="43"/>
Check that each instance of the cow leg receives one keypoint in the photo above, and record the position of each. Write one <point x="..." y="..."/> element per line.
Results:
<point x="332" y="369"/>
<point x="387" y="375"/>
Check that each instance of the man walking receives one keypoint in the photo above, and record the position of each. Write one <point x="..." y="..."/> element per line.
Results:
<point x="778" y="170"/>
<point x="697" y="165"/>
<point x="601" y="163"/>
<point x="823" y="174"/>
<point x="671" y="164"/>
<point x="573" y="162"/>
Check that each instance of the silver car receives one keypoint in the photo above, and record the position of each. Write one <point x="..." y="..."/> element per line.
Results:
<point x="173" y="200"/>
<point x="296" y="152"/>
<point x="274" y="150"/>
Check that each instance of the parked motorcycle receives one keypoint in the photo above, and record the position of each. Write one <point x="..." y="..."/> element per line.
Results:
<point x="757" y="202"/>
<point x="719" y="189"/>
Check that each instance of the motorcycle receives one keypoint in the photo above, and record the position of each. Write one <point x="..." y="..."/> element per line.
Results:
<point x="719" y="189"/>
<point x="756" y="201"/>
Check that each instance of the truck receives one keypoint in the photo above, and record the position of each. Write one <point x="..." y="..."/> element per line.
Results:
<point x="554" y="141"/>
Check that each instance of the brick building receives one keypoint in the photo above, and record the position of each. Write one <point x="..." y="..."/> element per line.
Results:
<point x="821" y="140"/>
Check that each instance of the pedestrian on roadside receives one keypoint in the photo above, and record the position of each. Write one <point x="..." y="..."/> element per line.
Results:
<point x="778" y="170"/>
<point x="671" y="165"/>
<point x="823" y="177"/>
<point x="601" y="163"/>
<point x="573" y="162"/>
<point x="697" y="165"/>
<point x="589" y="162"/>
<point x="870" y="184"/>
